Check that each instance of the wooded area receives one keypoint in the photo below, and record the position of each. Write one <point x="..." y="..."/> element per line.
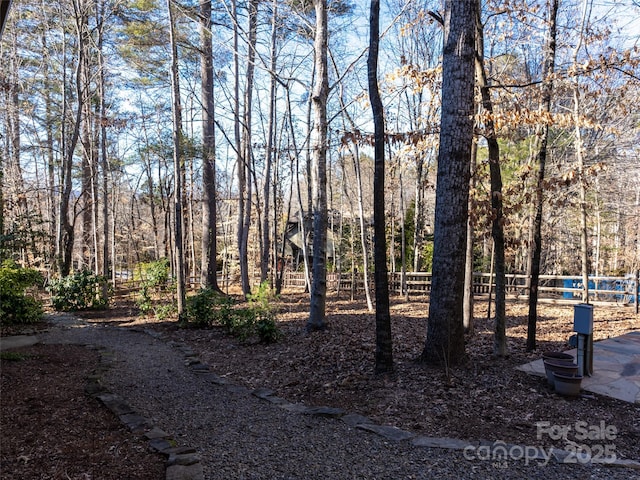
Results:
<point x="237" y="137"/>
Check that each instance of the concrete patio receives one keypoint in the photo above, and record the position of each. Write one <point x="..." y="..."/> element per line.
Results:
<point x="616" y="368"/>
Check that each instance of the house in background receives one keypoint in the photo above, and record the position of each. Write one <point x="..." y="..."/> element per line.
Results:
<point x="295" y="240"/>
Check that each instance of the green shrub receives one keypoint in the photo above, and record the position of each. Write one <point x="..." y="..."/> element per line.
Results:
<point x="16" y="306"/>
<point x="144" y="301"/>
<point x="80" y="291"/>
<point x="163" y="312"/>
<point x="153" y="274"/>
<point x="153" y="277"/>
<point x="262" y="300"/>
<point x="267" y="330"/>
<point x="208" y="308"/>
<point x="264" y="313"/>
<point x="239" y="323"/>
<point x="258" y="320"/>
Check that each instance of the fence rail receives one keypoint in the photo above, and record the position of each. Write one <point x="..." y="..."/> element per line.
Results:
<point x="621" y="290"/>
<point x="551" y="288"/>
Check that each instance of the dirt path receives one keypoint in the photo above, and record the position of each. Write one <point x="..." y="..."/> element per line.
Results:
<point x="237" y="435"/>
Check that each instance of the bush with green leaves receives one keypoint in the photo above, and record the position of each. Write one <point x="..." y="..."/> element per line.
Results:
<point x="153" y="274"/>
<point x="16" y="305"/>
<point x="164" y="312"/>
<point x="258" y="320"/>
<point x="261" y="304"/>
<point x="82" y="290"/>
<point x="267" y="330"/>
<point x="153" y="277"/>
<point x="207" y="308"/>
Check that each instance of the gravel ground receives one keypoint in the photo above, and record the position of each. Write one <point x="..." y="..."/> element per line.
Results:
<point x="243" y="437"/>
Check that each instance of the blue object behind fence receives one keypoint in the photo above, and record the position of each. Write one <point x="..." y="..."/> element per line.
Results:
<point x="625" y="287"/>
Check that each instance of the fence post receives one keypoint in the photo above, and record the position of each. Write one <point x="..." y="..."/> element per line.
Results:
<point x="637" y="290"/>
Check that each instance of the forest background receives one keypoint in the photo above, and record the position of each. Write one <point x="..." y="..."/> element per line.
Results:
<point x="119" y="117"/>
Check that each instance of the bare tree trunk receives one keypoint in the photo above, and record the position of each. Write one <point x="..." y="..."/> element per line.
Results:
<point x="245" y="149"/>
<point x="89" y="141"/>
<point x="104" y="163"/>
<point x="584" y="234"/>
<point x="279" y="262"/>
<point x="637" y="237"/>
<point x="208" y="274"/>
<point x="543" y="136"/>
<point x="445" y="334"/>
<point x="242" y="178"/>
<point x="266" y="231"/>
<point x="418" y="215"/>
<point x="191" y="269"/>
<point x="403" y="243"/>
<point x="151" y="186"/>
<point x="86" y="193"/>
<point x="14" y="173"/>
<point x="384" y="350"/>
<point x="344" y="194"/>
<point x="468" y="269"/>
<point x="66" y="236"/>
<point x="301" y="216"/>
<point x="280" y="271"/>
<point x="618" y="238"/>
<point x="598" y="227"/>
<point x="363" y="228"/>
<point x="114" y="218"/>
<point x="178" y="166"/>
<point x="51" y="195"/>
<point x="579" y="151"/>
<point x="392" y="228"/>
<point x="2" y="233"/>
<point x="317" y="314"/>
<point x="497" y="227"/>
<point x="95" y="258"/>
<point x="4" y="155"/>
<point x="340" y="238"/>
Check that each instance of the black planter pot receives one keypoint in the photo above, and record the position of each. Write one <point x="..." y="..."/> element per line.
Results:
<point x="558" y="356"/>
<point x="567" y="384"/>
<point x="559" y="366"/>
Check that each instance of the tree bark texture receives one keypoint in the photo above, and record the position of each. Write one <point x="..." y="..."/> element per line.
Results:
<point x="266" y="187"/>
<point x="88" y="166"/>
<point x="241" y="160"/>
<point x="246" y="162"/>
<point x="208" y="275"/>
<point x="578" y="142"/>
<point x="582" y="186"/>
<point x="384" y="351"/>
<point x="104" y="162"/>
<point x="495" y="175"/>
<point x="317" y="314"/>
<point x="536" y="237"/>
<point x="178" y="167"/>
<point x="66" y="226"/>
<point x="467" y="309"/>
<point x="445" y="333"/>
